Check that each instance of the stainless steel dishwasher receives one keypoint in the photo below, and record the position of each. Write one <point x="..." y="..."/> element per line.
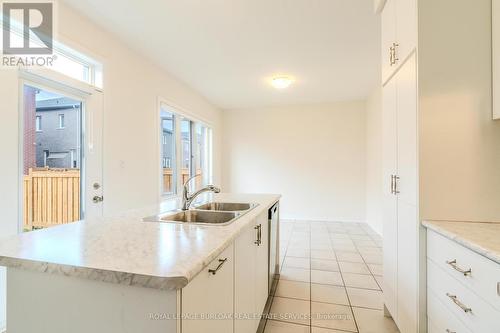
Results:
<point x="274" y="256"/>
<point x="274" y="261"/>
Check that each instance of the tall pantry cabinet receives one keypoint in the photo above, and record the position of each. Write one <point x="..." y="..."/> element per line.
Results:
<point x="400" y="172"/>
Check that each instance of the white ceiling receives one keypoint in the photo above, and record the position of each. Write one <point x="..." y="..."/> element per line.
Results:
<point x="227" y="49"/>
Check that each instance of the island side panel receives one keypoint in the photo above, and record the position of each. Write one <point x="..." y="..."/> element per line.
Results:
<point x="48" y="303"/>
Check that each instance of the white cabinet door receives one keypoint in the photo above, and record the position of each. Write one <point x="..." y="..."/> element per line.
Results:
<point x="388" y="37"/>
<point x="407" y="131"/>
<point x="262" y="258"/>
<point x="245" y="296"/>
<point x="210" y="294"/>
<point x="408" y="263"/>
<point x="399" y="30"/>
<point x="390" y="226"/>
<point x="406" y="28"/>
<point x="408" y="226"/>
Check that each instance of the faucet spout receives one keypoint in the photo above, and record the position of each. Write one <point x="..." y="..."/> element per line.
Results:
<point x="187" y="198"/>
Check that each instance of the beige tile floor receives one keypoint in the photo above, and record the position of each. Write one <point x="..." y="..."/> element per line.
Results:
<point x="331" y="278"/>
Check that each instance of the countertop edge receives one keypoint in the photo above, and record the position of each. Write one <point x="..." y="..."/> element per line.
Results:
<point x="164" y="283"/>
<point x="464" y="242"/>
<point x="96" y="274"/>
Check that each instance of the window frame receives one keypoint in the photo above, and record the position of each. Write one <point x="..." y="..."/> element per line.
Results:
<point x="60" y="118"/>
<point x="180" y="114"/>
<point x="38" y="123"/>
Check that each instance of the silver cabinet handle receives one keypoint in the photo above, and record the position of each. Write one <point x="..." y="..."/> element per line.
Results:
<point x="392" y="184"/>
<point x="453" y="264"/>
<point x="396" y="178"/>
<point x="449" y="331"/>
<point x="393" y="57"/>
<point x="221" y="263"/>
<point x="461" y="305"/>
<point x="259" y="234"/>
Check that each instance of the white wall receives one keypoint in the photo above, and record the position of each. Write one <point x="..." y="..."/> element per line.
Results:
<point x="459" y="141"/>
<point x="374" y="160"/>
<point x="313" y="155"/>
<point x="8" y="168"/>
<point x="132" y="85"/>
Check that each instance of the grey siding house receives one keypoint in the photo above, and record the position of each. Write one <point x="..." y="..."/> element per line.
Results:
<point x="58" y="123"/>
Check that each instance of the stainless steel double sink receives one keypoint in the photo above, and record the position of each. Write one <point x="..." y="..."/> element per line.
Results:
<point x="211" y="213"/>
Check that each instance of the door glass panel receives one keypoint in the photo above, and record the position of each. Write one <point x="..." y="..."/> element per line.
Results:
<point x="52" y="159"/>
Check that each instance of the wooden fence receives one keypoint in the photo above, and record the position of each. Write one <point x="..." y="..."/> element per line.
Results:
<point x="51" y="197"/>
<point x="168" y="176"/>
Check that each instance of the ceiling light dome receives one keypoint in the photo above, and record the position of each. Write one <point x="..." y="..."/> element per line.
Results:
<point x="281" y="82"/>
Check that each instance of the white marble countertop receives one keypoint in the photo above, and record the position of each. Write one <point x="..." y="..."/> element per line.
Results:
<point x="126" y="250"/>
<point x="480" y="237"/>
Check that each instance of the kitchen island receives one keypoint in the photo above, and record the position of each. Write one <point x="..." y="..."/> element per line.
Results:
<point x="122" y="274"/>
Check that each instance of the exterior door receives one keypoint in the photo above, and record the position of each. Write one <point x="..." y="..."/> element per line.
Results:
<point x="94" y="194"/>
<point x="61" y="150"/>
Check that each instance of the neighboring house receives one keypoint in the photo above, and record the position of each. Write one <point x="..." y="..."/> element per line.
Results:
<point x="57" y="124"/>
<point x="167" y="157"/>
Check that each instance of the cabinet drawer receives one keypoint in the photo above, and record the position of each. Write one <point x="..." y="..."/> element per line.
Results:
<point x="480" y="316"/>
<point x="484" y="275"/>
<point x="440" y="319"/>
<point x="210" y="294"/>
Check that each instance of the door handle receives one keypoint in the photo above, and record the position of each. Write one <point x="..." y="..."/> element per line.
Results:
<point x="96" y="199"/>
<point x="396" y="178"/>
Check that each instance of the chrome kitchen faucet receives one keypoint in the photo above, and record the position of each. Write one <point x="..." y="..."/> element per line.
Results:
<point x="187" y="199"/>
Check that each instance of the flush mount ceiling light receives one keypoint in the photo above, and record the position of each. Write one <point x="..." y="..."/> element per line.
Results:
<point x="281" y="82"/>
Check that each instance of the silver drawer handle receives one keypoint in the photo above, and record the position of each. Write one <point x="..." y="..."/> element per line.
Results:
<point x="458" y="303"/>
<point x="221" y="262"/>
<point x="449" y="331"/>
<point x="453" y="264"/>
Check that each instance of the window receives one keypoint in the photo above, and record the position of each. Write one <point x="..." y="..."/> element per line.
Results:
<point x="203" y="145"/>
<point x="38" y="123"/>
<point x="193" y="142"/>
<point x="68" y="61"/>
<point x="61" y="121"/>
<point x="169" y="176"/>
<point x="77" y="65"/>
<point x="186" y="157"/>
